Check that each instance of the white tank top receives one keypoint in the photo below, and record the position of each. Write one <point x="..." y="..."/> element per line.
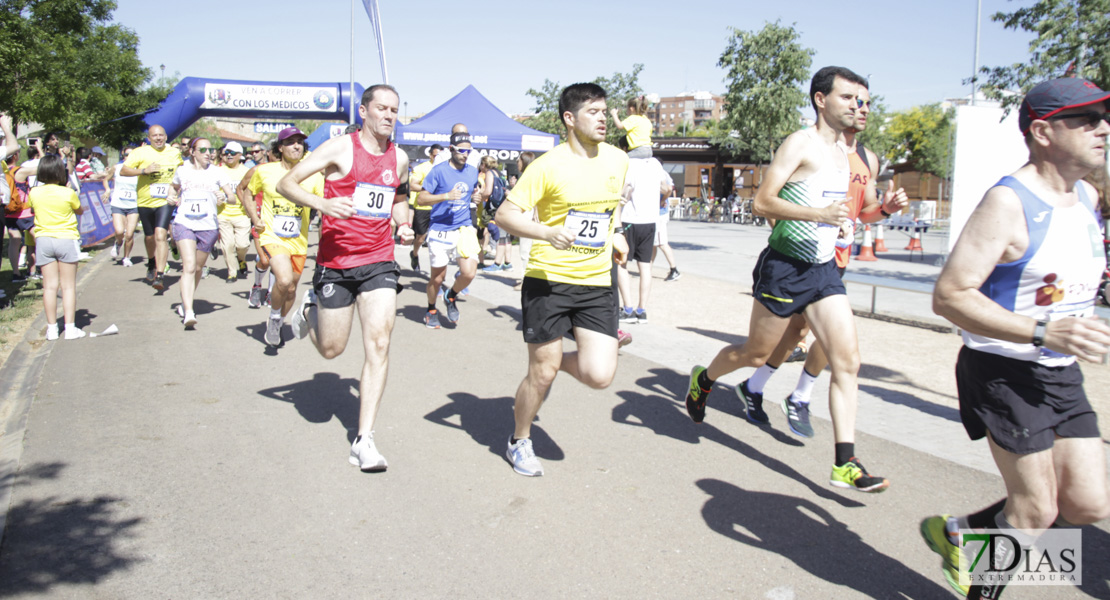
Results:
<point x="1057" y="277"/>
<point x="806" y="240"/>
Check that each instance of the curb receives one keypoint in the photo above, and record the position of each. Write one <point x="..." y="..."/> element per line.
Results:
<point x="22" y="373"/>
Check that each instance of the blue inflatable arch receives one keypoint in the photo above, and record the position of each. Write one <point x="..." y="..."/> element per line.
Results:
<point x="194" y="98"/>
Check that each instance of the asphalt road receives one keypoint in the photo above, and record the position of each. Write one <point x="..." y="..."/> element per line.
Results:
<point x="160" y="463"/>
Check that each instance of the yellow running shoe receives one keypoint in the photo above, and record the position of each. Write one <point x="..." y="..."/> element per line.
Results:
<point x="852" y="475"/>
<point x="934" y="531"/>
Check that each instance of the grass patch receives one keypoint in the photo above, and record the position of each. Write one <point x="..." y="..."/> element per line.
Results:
<point x="21" y="304"/>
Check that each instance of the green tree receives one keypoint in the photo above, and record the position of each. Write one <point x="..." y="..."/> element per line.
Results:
<point x="921" y="138"/>
<point x="64" y="64"/>
<point x="1072" y="38"/>
<point x="619" y="88"/>
<point x="765" y="74"/>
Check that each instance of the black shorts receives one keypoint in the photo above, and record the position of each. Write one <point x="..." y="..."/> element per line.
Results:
<point x="641" y="241"/>
<point x="25" y="224"/>
<point x="1022" y="404"/>
<point x="552" y="309"/>
<point x="339" y="288"/>
<point x="421" y="221"/>
<point x="786" y="286"/>
<point x="155" y="218"/>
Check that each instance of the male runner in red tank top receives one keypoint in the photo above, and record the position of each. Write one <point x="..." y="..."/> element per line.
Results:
<point x="365" y="194"/>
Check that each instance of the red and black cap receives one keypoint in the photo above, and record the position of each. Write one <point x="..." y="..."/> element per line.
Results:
<point x="1055" y="95"/>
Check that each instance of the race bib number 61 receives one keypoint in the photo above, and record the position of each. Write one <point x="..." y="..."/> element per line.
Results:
<point x="590" y="228"/>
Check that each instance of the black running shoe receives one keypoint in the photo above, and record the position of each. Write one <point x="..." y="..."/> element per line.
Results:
<point x="695" y="397"/>
<point x="753" y="404"/>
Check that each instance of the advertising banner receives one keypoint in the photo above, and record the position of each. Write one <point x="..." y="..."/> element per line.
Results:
<point x="95" y="224"/>
<point x="257" y="98"/>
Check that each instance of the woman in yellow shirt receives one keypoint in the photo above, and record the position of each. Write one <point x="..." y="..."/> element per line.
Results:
<point x="638" y="127"/>
<point x="57" y="243"/>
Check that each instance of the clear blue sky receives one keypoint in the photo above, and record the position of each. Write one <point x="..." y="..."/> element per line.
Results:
<point x="914" y="52"/>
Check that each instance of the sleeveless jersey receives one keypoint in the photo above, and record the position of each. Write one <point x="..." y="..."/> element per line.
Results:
<point x="367" y="237"/>
<point x="857" y="187"/>
<point x="808" y="241"/>
<point x="1057" y="277"/>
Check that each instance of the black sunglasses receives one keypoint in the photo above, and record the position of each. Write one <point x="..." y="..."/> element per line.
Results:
<point x="1093" y="117"/>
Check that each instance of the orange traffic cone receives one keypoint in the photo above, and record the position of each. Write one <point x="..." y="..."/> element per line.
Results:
<point x="866" y="252"/>
<point x="880" y="243"/>
<point x="915" y="240"/>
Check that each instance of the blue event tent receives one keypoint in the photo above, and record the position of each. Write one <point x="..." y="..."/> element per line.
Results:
<point x="490" y="128"/>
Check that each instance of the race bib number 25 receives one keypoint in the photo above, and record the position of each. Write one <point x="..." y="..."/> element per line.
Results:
<point x="590" y="228"/>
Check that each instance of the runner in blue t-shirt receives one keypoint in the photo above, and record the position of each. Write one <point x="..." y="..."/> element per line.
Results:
<point x="448" y="189"/>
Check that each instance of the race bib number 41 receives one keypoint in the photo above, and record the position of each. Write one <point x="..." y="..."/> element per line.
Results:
<point x="195" y="205"/>
<point x="590" y="228"/>
<point x="374" y="201"/>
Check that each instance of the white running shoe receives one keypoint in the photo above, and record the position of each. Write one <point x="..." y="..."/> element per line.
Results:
<point x="51" y="332"/>
<point x="190" y="320"/>
<point x="299" y="321"/>
<point x="365" y="455"/>
<point x="180" y="311"/>
<point x="115" y="250"/>
<point x="523" y="459"/>
<point x="74" y="333"/>
<point x="126" y="262"/>
<point x="273" y="331"/>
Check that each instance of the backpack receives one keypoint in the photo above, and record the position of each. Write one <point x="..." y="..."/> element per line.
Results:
<point x="497" y="196"/>
<point x="12" y="195"/>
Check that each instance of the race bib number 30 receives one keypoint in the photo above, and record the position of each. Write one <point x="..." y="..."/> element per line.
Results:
<point x="159" y="190"/>
<point x="374" y="201"/>
<point x="590" y="228"/>
<point x="287" y="226"/>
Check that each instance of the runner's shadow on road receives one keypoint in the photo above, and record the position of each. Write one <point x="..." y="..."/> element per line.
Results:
<point x="1096" y="573"/>
<point x="909" y="400"/>
<point x="489" y="422"/>
<point x="688" y="246"/>
<point x="728" y="338"/>
<point x="505" y="310"/>
<point x="808" y="535"/>
<point x="257" y="332"/>
<point x="63" y="541"/>
<point x="319" y="399"/>
<point x="83" y="318"/>
<point x="204" y="307"/>
<point x="666" y="417"/>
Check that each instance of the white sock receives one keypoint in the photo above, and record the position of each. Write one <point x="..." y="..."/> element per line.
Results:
<point x="275" y="313"/>
<point x="258" y="275"/>
<point x="804" y="387"/>
<point x="272" y="280"/>
<point x="69" y="326"/>
<point x="759" y="379"/>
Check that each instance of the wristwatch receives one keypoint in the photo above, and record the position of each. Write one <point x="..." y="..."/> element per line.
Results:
<point x="1038" y="333"/>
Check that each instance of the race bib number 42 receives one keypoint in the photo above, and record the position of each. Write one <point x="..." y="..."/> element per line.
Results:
<point x="590" y="228"/>
<point x="374" y="201"/>
<point x="159" y="190"/>
<point x="287" y="226"/>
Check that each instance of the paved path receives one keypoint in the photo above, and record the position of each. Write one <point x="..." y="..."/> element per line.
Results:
<point x="164" y="463"/>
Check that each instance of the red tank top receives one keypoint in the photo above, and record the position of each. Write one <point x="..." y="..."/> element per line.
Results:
<point x="857" y="187"/>
<point x="360" y="240"/>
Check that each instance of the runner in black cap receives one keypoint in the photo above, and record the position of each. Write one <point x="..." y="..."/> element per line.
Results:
<point x="1021" y="284"/>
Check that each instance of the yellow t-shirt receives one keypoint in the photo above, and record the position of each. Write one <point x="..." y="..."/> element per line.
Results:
<point x="580" y="193"/>
<point x="228" y="210"/>
<point x="639" y="131"/>
<point x="282" y="217"/>
<point x="419" y="172"/>
<point x="152" y="189"/>
<point x="54" y="216"/>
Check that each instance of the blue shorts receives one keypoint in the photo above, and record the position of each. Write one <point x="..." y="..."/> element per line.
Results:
<point x="786" y="286"/>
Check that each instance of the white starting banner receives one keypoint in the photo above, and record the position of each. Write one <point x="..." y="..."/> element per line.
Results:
<point x="279" y="98"/>
<point x="261" y="127"/>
